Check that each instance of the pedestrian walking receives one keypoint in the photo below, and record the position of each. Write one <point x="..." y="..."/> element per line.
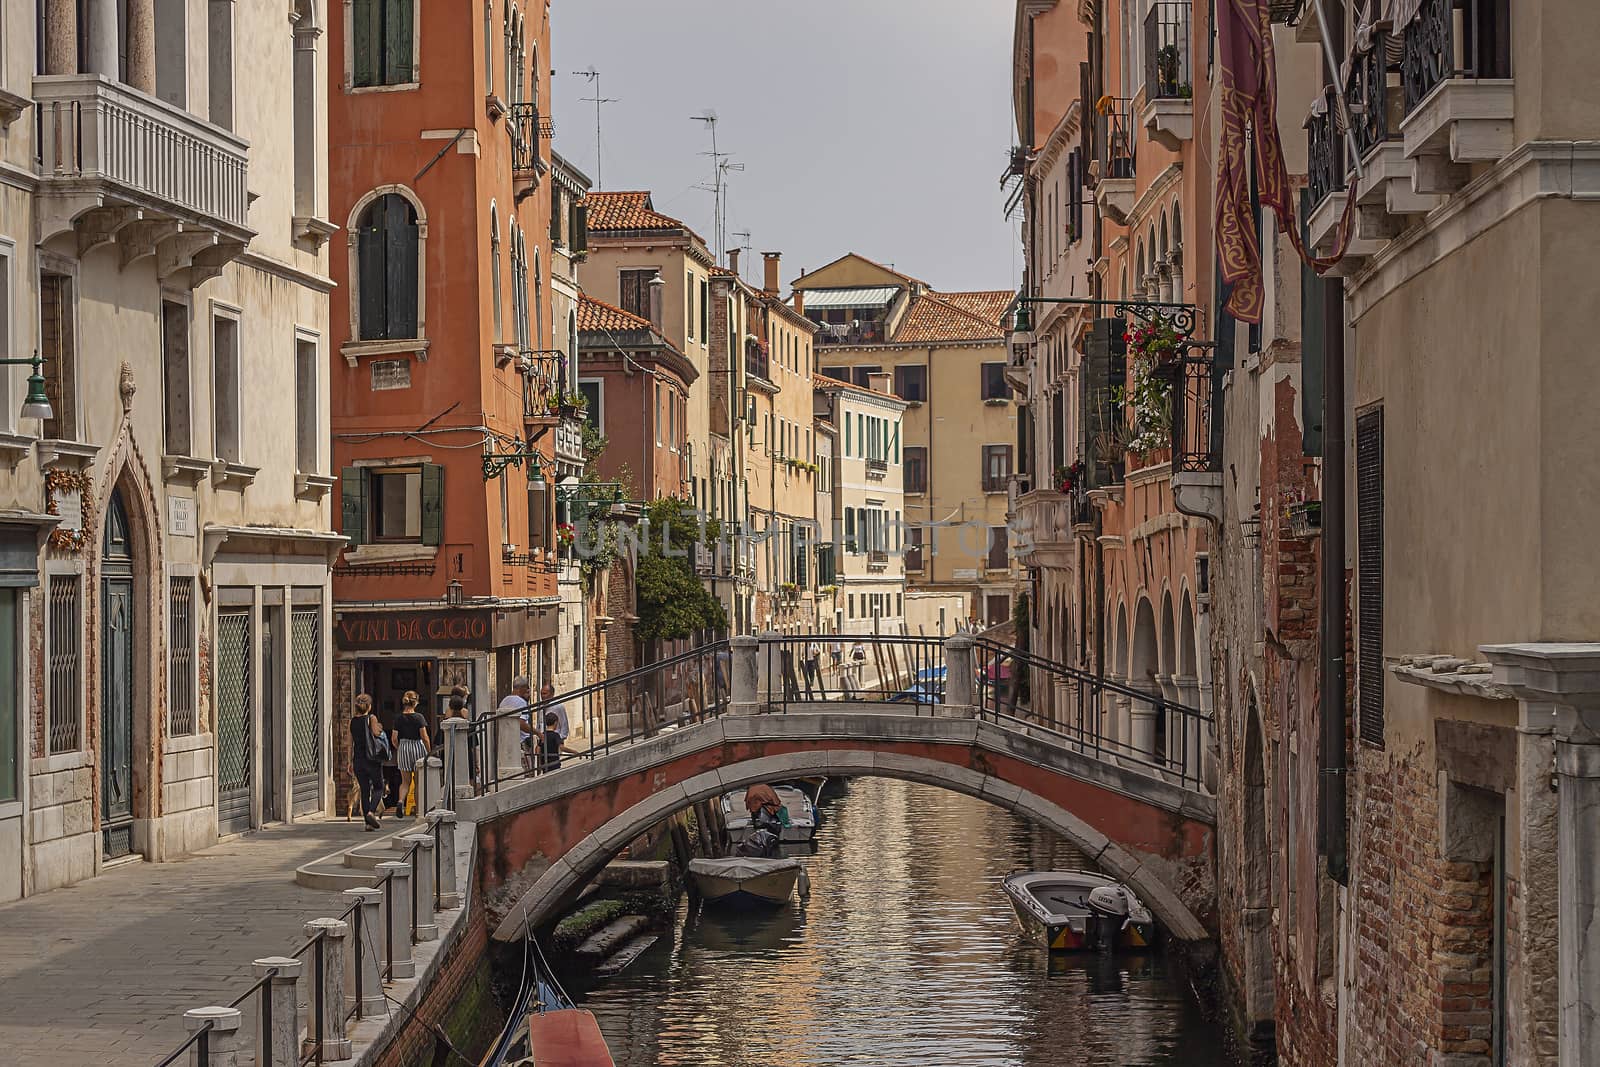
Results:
<point x="838" y="653"/>
<point x="516" y="703"/>
<point x="368" y="746"/>
<point x="858" y="664"/>
<point x="550" y="746"/>
<point x="813" y="670"/>
<point x="410" y="740"/>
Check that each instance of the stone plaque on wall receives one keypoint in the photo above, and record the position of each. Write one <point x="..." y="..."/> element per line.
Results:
<point x="391" y="374"/>
<point x="180" y="516"/>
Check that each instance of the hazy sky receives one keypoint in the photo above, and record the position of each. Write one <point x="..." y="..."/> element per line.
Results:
<point x="874" y="126"/>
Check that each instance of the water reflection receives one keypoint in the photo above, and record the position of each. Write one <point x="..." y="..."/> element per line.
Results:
<point x="904" y="955"/>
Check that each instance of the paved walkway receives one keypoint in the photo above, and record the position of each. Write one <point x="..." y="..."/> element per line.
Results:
<point x="101" y="973"/>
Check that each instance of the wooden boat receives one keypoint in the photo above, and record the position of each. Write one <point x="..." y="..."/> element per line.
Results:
<point x="568" y="1037"/>
<point x="744" y="881"/>
<point x="1053" y="909"/>
<point x="802" y="815"/>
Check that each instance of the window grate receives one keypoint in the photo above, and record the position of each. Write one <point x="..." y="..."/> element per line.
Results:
<point x="180" y="657"/>
<point x="306" y="695"/>
<point x="66" y="692"/>
<point x="1369" y="538"/>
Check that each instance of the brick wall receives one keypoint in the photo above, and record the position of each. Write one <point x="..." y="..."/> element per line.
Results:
<point x="458" y="1004"/>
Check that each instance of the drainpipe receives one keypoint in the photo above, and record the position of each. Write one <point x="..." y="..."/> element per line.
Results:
<point x="1331" y="602"/>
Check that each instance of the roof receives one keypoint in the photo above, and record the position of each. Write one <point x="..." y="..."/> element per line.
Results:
<point x="598" y="315"/>
<point x="627" y="211"/>
<point x="855" y="255"/>
<point x="875" y="296"/>
<point x="822" y="381"/>
<point x="936" y="317"/>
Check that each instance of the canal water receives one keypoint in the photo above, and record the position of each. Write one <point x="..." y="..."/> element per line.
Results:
<point x="905" y="954"/>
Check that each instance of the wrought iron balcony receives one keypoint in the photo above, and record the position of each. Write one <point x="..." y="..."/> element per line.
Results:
<point x="1454" y="39"/>
<point x="528" y="132"/>
<point x="1455" y="71"/>
<point x="1114" y="189"/>
<point x="877" y="468"/>
<point x="1196" y="391"/>
<point x="117" y="165"/>
<point x="1168" y="112"/>
<point x="1374" y="110"/>
<point x="877" y="559"/>
<point x="1324" y="150"/>
<point x="868" y="332"/>
<point x="757" y="362"/>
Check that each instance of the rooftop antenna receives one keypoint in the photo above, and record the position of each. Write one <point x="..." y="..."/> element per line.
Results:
<point x="744" y="246"/>
<point x="728" y="166"/>
<point x="709" y="117"/>
<point x="593" y="77"/>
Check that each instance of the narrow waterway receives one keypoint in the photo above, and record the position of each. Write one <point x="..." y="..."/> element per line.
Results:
<point x="905" y="954"/>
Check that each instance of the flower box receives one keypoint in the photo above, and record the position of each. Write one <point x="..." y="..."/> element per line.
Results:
<point x="1304" y="519"/>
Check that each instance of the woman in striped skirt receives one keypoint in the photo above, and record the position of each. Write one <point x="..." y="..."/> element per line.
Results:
<point x="410" y="744"/>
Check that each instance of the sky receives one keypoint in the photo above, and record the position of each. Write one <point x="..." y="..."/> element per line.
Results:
<point x="873" y="126"/>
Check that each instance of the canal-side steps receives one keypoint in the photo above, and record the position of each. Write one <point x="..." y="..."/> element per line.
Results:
<point x="354" y="866"/>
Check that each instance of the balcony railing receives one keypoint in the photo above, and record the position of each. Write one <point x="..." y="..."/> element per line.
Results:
<point x="858" y="333"/>
<point x="528" y="129"/>
<point x="1117" y="126"/>
<point x="877" y="468"/>
<point x="118" y="146"/>
<point x="1196" y="444"/>
<point x="1324" y="151"/>
<point x="1454" y="39"/>
<point x="1166" y="52"/>
<point x="877" y="559"/>
<point x="756" y="360"/>
<point x="1374" y="110"/>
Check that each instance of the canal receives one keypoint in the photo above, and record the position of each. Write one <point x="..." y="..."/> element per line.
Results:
<point x="905" y="954"/>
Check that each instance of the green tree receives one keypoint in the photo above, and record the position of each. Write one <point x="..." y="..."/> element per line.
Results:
<point x="672" y="601"/>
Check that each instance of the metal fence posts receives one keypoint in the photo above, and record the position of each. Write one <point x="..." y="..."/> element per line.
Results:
<point x="424" y="928"/>
<point x="364" y="980"/>
<point x="220" y="1046"/>
<point x="325" y="1020"/>
<point x="278" y="1027"/>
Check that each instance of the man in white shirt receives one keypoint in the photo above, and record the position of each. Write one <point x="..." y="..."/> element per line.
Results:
<point x="547" y="694"/>
<point x="517" y="701"/>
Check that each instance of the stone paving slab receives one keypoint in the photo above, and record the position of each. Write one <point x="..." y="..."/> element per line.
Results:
<point x="100" y="973"/>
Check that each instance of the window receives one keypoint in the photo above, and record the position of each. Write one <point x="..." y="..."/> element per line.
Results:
<point x="225" y="387"/>
<point x="994" y="382"/>
<point x="175" y="372"/>
<point x="850" y="531"/>
<point x="1369" y="556"/>
<point x="705" y="310"/>
<point x="306" y="32"/>
<point x="307" y="435"/>
<point x="688" y="296"/>
<point x="494" y="271"/>
<point x="593" y="390"/>
<point x="387" y="254"/>
<point x="393" y="504"/>
<point x="180" y="656"/>
<point x="10" y="736"/>
<point x="382" y="41"/>
<point x="634" y="290"/>
<point x="999" y="549"/>
<point x="916" y="472"/>
<point x="899" y="603"/>
<point x="65" y="698"/>
<point x="220" y="74"/>
<point x="57" y="344"/>
<point x="850" y="602"/>
<point x="996" y="468"/>
<point x="861" y="435"/>
<point x="997" y="607"/>
<point x="862" y="376"/>
<point x="911" y="382"/>
<point x="913" y="547"/>
<point x="847" y="436"/>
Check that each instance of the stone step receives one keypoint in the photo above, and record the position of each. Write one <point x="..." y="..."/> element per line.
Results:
<point x="612" y="936"/>
<point x="353" y="866"/>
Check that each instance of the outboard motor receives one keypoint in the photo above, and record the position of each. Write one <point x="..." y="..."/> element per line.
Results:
<point x="1111" y="908"/>
<point x="760" y="843"/>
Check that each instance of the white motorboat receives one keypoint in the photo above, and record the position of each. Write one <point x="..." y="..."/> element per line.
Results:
<point x="1078" y="910"/>
<point x="802" y="815"/>
<point x="745" y="880"/>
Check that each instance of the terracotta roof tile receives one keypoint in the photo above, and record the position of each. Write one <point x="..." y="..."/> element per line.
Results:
<point x="598" y="315"/>
<point x="939" y="317"/>
<point x="823" y="381"/>
<point x="627" y="211"/>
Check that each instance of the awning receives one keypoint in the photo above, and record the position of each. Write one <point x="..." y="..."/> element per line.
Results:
<point x="876" y="297"/>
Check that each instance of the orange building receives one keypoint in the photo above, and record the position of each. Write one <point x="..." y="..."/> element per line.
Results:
<point x="442" y="366"/>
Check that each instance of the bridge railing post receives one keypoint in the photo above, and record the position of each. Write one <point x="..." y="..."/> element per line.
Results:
<point x="444" y="828"/>
<point x="457" y="761"/>
<point x="959" y="674"/>
<point x="770" y="670"/>
<point x="325" y="1023"/>
<point x="221" y="1042"/>
<point x="746" y="655"/>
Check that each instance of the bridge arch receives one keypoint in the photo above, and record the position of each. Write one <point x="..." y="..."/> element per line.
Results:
<point x="544" y="839"/>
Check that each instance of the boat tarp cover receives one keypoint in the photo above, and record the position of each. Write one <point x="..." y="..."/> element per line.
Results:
<point x="739" y="867"/>
<point x="569" y="1038"/>
<point x="761" y="795"/>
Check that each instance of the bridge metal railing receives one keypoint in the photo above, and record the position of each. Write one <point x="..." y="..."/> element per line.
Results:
<point x="1106" y="719"/>
<point x="873" y="668"/>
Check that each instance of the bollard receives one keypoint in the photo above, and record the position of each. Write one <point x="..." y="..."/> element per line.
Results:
<point x="508" y="746"/>
<point x="958" y="675"/>
<point x="222" y="1043"/>
<point x="430" y="785"/>
<point x="325" y="990"/>
<point x="278" y="1021"/>
<point x="444" y="828"/>
<point x="424" y="928"/>
<point x="397" y="905"/>
<point x="364" y="976"/>
<point x="746" y="674"/>
<point x="457" y="761"/>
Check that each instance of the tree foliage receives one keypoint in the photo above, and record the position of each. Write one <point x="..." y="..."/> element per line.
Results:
<point x="672" y="601"/>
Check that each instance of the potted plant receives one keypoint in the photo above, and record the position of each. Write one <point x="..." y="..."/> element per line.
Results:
<point x="1303" y="517"/>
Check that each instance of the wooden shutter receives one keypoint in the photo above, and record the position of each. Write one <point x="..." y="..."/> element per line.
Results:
<point x="397" y="31"/>
<point x="433" y="504"/>
<point x="400" y="268"/>
<point x="369" y="264"/>
<point x="999" y="548"/>
<point x="538" y="517"/>
<point x="1369" y="552"/>
<point x="366" y="30"/>
<point x="579" y="241"/>
<point x="353" y="501"/>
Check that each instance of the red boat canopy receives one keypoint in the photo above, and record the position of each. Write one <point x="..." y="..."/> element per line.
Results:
<point x="569" y="1038"/>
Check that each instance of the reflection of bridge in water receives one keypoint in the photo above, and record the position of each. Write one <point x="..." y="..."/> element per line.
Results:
<point x="953" y="712"/>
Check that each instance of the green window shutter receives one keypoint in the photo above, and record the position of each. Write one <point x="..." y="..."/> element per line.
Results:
<point x="432" y="504"/>
<point x="365" y="31"/>
<point x="580" y="229"/>
<point x="369" y="261"/>
<point x="353" y="500"/>
<point x="397" y="31"/>
<point x="400" y="268"/>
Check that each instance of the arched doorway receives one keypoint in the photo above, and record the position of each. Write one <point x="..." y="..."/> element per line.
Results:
<point x="1142" y="671"/>
<point x="117" y="645"/>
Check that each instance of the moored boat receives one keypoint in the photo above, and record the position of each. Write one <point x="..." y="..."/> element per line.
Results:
<point x="802" y="815"/>
<point x="1078" y="911"/>
<point x="745" y="881"/>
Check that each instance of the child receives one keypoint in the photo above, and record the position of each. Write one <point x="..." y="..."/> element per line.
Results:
<point x="550" y="747"/>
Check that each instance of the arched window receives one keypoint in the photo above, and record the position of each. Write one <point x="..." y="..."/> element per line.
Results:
<point x="387" y="262"/>
<point x="519" y="283"/>
<point x="1177" y="227"/>
<point x="494" y="260"/>
<point x="572" y="351"/>
<point x="488" y="46"/>
<point x="511" y="79"/>
<point x="383" y="42"/>
<point x="538" y="302"/>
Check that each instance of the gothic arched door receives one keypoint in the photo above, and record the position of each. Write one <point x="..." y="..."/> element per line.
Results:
<point x="116" y="682"/>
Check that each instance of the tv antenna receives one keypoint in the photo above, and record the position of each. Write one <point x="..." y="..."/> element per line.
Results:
<point x="744" y="245"/>
<point x="593" y="77"/>
<point x="721" y="164"/>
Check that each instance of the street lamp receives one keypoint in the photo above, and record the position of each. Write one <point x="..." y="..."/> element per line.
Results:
<point x="454" y="595"/>
<point x="495" y="463"/>
<point x="36" y="405"/>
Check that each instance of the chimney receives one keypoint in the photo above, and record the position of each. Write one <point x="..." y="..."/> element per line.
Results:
<point x="733" y="260"/>
<point x="880" y="383"/>
<point x="658" y="291"/>
<point x="800" y="301"/>
<point x="772" y="261"/>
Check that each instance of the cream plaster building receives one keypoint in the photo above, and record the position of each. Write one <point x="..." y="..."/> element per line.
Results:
<point x="164" y="595"/>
